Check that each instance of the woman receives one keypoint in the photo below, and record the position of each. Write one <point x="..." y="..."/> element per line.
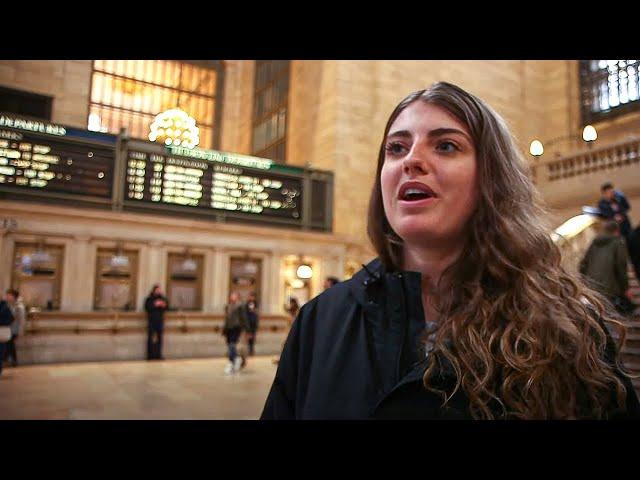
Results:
<point x="467" y="312"/>
<point x="155" y="305"/>
<point x="235" y="322"/>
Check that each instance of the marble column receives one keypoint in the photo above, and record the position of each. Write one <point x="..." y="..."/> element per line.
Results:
<point x="151" y="270"/>
<point x="6" y="251"/>
<point x="70" y="274"/>
<point x="220" y="280"/>
<point x="83" y="256"/>
<point x="276" y="277"/>
<point x="209" y="281"/>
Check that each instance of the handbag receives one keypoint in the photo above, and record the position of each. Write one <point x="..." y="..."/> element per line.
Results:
<point x="5" y="334"/>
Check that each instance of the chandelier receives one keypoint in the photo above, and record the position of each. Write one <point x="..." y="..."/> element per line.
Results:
<point x="175" y="127"/>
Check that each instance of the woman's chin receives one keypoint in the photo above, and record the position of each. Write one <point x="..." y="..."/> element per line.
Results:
<point x="418" y="233"/>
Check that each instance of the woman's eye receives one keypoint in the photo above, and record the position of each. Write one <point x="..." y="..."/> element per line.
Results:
<point x="394" y="148"/>
<point x="447" y="147"/>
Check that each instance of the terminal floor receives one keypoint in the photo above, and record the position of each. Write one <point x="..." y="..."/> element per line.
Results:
<point x="189" y="389"/>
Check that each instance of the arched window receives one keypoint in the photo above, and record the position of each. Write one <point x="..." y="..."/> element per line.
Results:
<point x="130" y="93"/>
<point x="271" y="93"/>
<point x="609" y="88"/>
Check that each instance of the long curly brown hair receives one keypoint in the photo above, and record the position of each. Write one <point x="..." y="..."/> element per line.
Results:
<point x="521" y="333"/>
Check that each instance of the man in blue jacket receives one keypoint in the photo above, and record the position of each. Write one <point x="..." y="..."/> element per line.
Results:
<point x="613" y="205"/>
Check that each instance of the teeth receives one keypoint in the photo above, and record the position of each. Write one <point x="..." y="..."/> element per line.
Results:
<point x="413" y="191"/>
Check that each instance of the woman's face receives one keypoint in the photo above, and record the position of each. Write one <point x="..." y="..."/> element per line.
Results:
<point x="429" y="176"/>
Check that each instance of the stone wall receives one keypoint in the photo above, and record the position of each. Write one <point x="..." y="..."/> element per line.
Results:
<point x="67" y="81"/>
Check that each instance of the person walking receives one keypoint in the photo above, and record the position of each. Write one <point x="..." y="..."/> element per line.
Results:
<point x="252" y="321"/>
<point x="235" y="322"/>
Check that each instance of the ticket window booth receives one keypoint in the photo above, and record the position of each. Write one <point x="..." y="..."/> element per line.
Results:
<point x="245" y="274"/>
<point x="116" y="279"/>
<point x="37" y="274"/>
<point x="184" y="281"/>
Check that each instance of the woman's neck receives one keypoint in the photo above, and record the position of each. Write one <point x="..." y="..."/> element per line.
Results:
<point x="431" y="263"/>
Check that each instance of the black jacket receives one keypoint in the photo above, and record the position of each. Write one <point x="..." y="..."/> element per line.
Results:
<point x="155" y="314"/>
<point x="235" y="318"/>
<point x="252" y="316"/>
<point x="6" y="317"/>
<point x="354" y="352"/>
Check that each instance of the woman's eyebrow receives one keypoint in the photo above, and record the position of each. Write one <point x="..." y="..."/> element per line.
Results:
<point x="400" y="133"/>
<point x="436" y="132"/>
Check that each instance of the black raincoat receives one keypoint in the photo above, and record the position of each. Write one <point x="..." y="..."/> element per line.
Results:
<point x="355" y="352"/>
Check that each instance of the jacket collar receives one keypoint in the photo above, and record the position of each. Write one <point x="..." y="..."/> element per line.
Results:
<point x="392" y="310"/>
<point x="365" y="279"/>
<point x="392" y="306"/>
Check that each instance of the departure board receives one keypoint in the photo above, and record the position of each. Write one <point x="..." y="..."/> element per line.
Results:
<point x="38" y="156"/>
<point x="203" y="183"/>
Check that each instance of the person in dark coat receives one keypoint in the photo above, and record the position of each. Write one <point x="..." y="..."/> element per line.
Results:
<point x="253" y="321"/>
<point x="614" y="205"/>
<point x="604" y="266"/>
<point x="235" y="323"/>
<point x="292" y="309"/>
<point x="467" y="312"/>
<point x="6" y="319"/>
<point x="330" y="282"/>
<point x="155" y="305"/>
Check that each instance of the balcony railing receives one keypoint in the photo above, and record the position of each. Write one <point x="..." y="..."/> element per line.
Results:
<point x="602" y="159"/>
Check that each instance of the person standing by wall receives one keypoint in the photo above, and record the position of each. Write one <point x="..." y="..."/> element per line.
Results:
<point x="155" y="305"/>
<point x="252" y="321"/>
<point x="292" y="309"/>
<point x="17" y="327"/>
<point x="6" y="318"/>
<point x="235" y="322"/>
<point x="330" y="282"/>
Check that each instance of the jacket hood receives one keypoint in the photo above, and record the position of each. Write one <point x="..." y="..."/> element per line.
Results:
<point x="365" y="279"/>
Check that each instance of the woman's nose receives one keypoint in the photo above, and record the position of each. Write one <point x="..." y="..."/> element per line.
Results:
<point x="416" y="162"/>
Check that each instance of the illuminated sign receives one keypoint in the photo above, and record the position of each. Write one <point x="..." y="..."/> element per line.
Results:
<point x="30" y="162"/>
<point x="213" y="185"/>
<point x="223" y="157"/>
<point x="32" y="125"/>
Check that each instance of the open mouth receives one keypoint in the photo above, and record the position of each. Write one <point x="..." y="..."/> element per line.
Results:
<point x="415" y="191"/>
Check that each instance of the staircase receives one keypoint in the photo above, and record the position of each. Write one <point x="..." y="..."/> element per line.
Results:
<point x="573" y="238"/>
<point x="631" y="349"/>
